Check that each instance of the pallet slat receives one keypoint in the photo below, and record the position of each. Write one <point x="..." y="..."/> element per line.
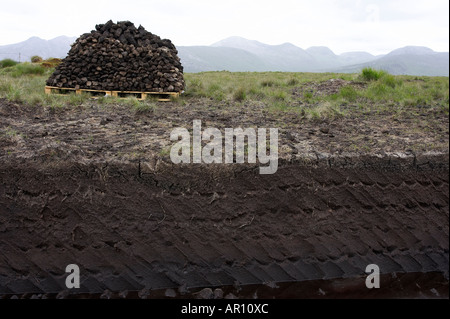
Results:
<point x="163" y="96"/>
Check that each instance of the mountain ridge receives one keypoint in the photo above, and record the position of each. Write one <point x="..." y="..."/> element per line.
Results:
<point x="23" y="51"/>
<point x="240" y="54"/>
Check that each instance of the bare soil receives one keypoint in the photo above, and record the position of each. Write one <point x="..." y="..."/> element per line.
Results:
<point x="94" y="186"/>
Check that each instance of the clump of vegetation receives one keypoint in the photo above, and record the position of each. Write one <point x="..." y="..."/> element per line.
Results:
<point x="390" y="80"/>
<point x="215" y="92"/>
<point x="21" y="69"/>
<point x="348" y="93"/>
<point x="36" y="59"/>
<point x="51" y="63"/>
<point x="240" y="94"/>
<point x="267" y="83"/>
<point x="308" y="94"/>
<point x="141" y="107"/>
<point x="7" y="63"/>
<point x="194" y="87"/>
<point x="27" y="69"/>
<point x="292" y="82"/>
<point x="369" y="74"/>
<point x="279" y="95"/>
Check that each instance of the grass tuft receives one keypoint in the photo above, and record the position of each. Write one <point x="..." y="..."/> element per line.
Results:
<point x="144" y="107"/>
<point x="240" y="94"/>
<point x="369" y="74"/>
<point x="267" y="83"/>
<point x="348" y="93"/>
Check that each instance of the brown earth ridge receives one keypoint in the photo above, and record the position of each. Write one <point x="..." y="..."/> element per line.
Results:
<point x="94" y="187"/>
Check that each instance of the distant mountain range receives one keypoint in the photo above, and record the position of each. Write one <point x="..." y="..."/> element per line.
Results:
<point x="239" y="54"/>
<point x="408" y="60"/>
<point x="23" y="51"/>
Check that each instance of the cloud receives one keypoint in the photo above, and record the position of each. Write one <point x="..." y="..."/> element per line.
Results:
<point x="343" y="25"/>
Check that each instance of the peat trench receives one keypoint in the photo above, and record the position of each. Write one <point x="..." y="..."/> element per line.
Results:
<point x="309" y="230"/>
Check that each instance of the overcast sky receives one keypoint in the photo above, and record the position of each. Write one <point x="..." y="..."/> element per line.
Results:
<point x="376" y="26"/>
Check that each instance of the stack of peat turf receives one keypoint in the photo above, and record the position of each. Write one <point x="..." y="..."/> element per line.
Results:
<point x="120" y="57"/>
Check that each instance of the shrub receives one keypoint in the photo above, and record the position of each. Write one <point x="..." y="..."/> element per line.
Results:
<point x="369" y="74"/>
<point x="36" y="59"/>
<point x="7" y="62"/>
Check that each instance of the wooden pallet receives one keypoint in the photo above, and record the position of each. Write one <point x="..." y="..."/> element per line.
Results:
<point x="162" y="96"/>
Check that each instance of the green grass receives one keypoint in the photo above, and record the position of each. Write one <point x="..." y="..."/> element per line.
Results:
<point x="390" y="80"/>
<point x="7" y="63"/>
<point x="268" y="83"/>
<point x="240" y="94"/>
<point x="214" y="91"/>
<point x="140" y="107"/>
<point x="22" y="69"/>
<point x="384" y="92"/>
<point x="274" y="91"/>
<point x="278" y="95"/>
<point x="349" y="93"/>
<point x="369" y="74"/>
<point x="239" y="86"/>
